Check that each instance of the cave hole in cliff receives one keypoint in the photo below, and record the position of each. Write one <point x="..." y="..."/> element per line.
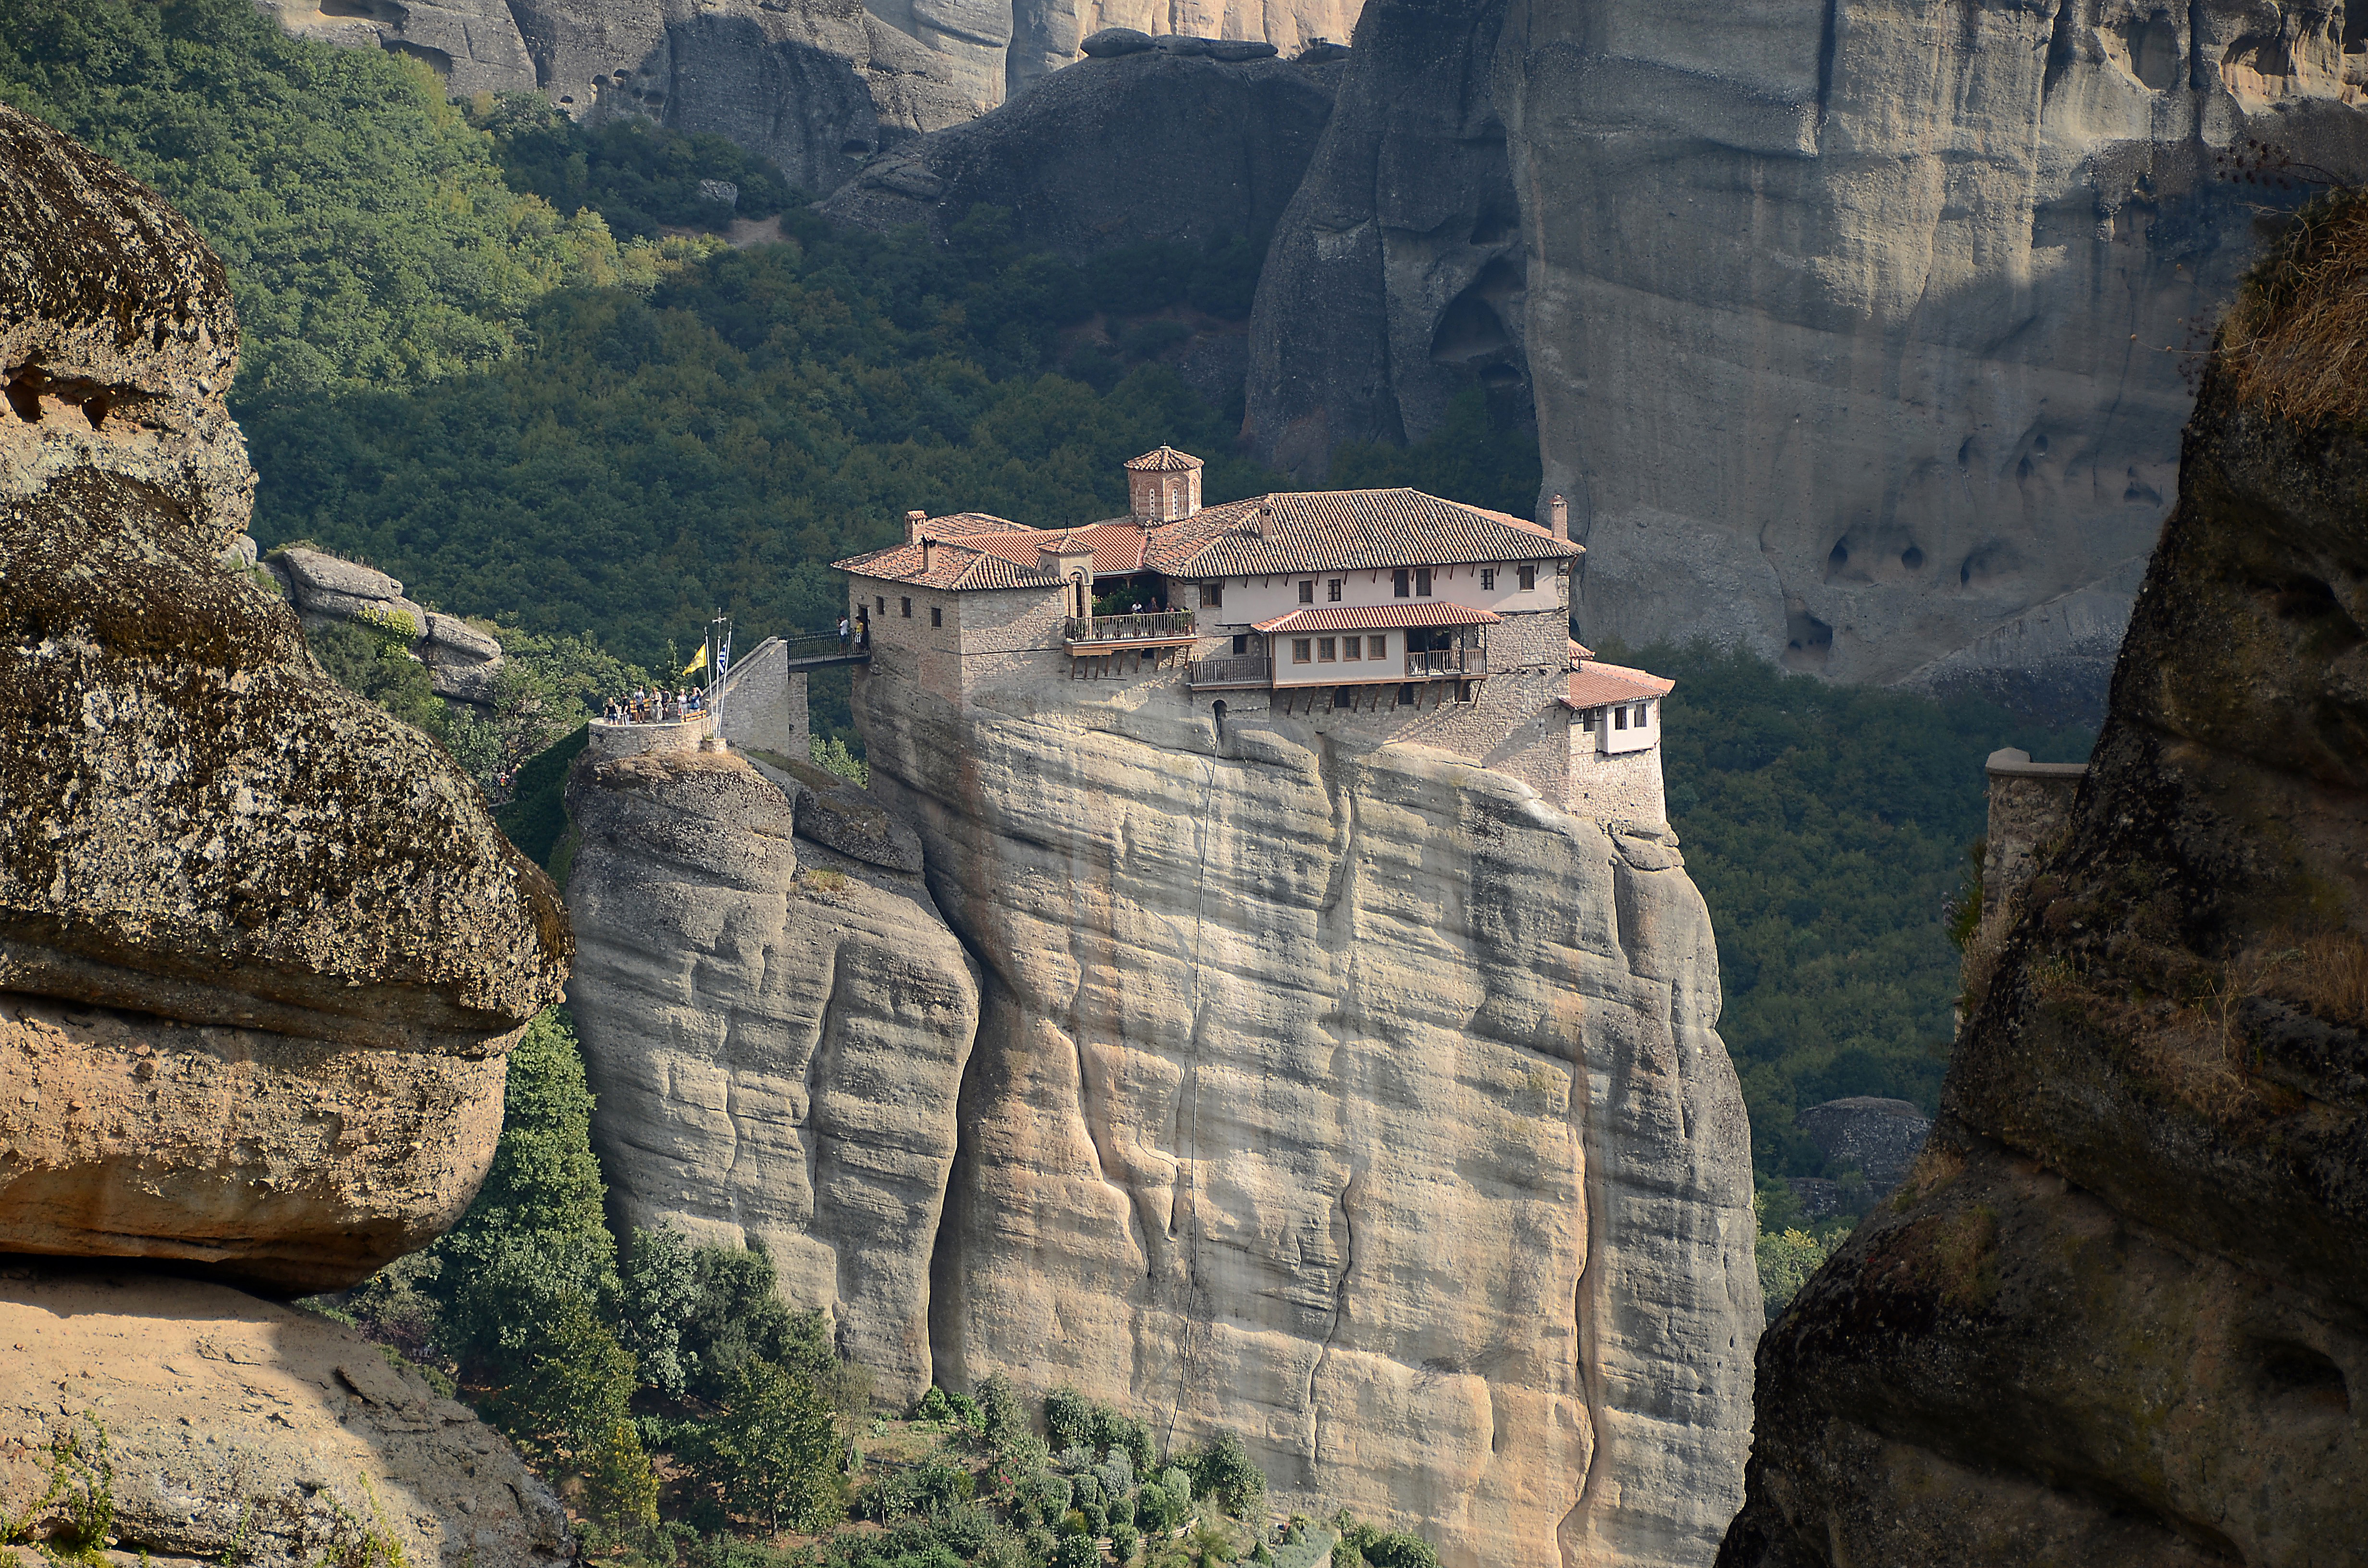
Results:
<point x="2355" y="26"/>
<point x="1470" y="327"/>
<point x="435" y="60"/>
<point x="2312" y="604"/>
<point x="855" y="149"/>
<point x="2301" y="1375"/>
<point x="1837" y="560"/>
<point x="1912" y="558"/>
<point x="95" y="409"/>
<point x="1495" y="224"/>
<point x="1808" y="642"/>
<point x="1989" y="566"/>
<point x="25" y="397"/>
<point x="2150" y="50"/>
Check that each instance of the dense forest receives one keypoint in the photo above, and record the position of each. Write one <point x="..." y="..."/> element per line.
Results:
<point x="515" y="363"/>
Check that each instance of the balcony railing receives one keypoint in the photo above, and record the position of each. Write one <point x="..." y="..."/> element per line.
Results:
<point x="1435" y="661"/>
<point x="1239" y="669"/>
<point x="1129" y="628"/>
<point x="809" y="651"/>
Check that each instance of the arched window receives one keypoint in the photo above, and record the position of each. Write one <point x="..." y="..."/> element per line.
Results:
<point x="1078" y="586"/>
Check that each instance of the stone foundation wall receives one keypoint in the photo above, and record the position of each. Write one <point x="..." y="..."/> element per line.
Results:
<point x="765" y="704"/>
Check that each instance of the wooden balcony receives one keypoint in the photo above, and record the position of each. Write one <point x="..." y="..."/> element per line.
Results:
<point x="1237" y="669"/>
<point x="1113" y="633"/>
<point x="1440" y="663"/>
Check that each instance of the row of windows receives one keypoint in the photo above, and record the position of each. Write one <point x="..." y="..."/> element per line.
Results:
<point x="1406" y="582"/>
<point x="1625" y="716"/>
<point x="1349" y="648"/>
<point x="905" y="609"/>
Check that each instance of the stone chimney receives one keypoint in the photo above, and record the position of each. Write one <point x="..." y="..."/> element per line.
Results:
<point x="1163" y="486"/>
<point x="1558" y="516"/>
<point x="928" y="552"/>
<point x="913" y="521"/>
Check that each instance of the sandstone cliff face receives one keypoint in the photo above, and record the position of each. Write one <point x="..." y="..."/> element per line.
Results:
<point x="1146" y="146"/>
<point x="1351" y="1099"/>
<point x="224" y="880"/>
<point x="2116" y="1316"/>
<point x="777" y="1054"/>
<point x="1844" y="320"/>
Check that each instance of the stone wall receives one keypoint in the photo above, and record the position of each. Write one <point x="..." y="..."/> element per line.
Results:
<point x="2030" y="805"/>
<point x="764" y="706"/>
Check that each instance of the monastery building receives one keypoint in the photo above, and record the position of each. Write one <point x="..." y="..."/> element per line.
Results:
<point x="1385" y="614"/>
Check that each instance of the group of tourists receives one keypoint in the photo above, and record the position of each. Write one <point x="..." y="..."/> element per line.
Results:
<point x="646" y="705"/>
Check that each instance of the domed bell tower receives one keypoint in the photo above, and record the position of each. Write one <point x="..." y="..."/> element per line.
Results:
<point x="1162" y="486"/>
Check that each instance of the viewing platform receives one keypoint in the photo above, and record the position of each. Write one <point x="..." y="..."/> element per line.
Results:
<point x="824" y="652"/>
<point x="610" y="741"/>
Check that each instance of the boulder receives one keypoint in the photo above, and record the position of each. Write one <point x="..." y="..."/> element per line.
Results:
<point x="840" y="814"/>
<point x="1180" y="44"/>
<point x="242" y="1431"/>
<point x="1111" y="42"/>
<point x="208" y="848"/>
<point x="326" y="588"/>
<point x="776" y="1035"/>
<point x="2116" y="1315"/>
<point x="1240" y="48"/>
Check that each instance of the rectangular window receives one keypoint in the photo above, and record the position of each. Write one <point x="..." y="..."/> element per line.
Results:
<point x="1355" y="649"/>
<point x="1213" y="595"/>
<point x="1644" y="715"/>
<point x="1242" y="643"/>
<point x="936" y="615"/>
<point x="909" y="607"/>
<point x="1299" y="647"/>
<point x="1487" y="578"/>
<point x="1377" y="647"/>
<point x="1586" y="720"/>
<point x="1307" y="592"/>
<point x="1399" y="579"/>
<point x="879" y="602"/>
<point x="1529" y="578"/>
<point x="1332" y="589"/>
<point x="1422" y="582"/>
<point x="1323" y="654"/>
<point x="1619" y="717"/>
<point x="1406" y="696"/>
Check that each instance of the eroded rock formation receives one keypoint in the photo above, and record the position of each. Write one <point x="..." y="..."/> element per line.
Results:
<point x="1353" y="1101"/>
<point x="817" y="86"/>
<point x="1846" y="323"/>
<point x="2116" y="1315"/>
<point x="261" y="951"/>
<point x="776" y="1032"/>
<point x="1152" y="145"/>
<point x="207" y="848"/>
<point x="463" y="663"/>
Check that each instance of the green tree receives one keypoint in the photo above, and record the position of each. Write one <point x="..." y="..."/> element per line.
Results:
<point x="571" y="1384"/>
<point x="620" y="1486"/>
<point x="1067" y="1418"/>
<point x="657" y="1293"/>
<point x="1226" y="1472"/>
<point x="772" y="1453"/>
<point x="372" y="658"/>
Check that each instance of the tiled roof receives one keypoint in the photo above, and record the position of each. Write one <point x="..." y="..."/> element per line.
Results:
<point x="952" y="565"/>
<point x="1323" y="530"/>
<point x="1332" y="530"/>
<point x="1163" y="459"/>
<point x="1597" y="685"/>
<point x="1359" y="617"/>
<point x="1579" y="653"/>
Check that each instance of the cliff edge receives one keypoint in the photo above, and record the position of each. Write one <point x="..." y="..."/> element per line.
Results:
<point x="2116" y="1314"/>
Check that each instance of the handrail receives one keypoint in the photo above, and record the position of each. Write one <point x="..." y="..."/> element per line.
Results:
<point x="1436" y="662"/>
<point x="1121" y="628"/>
<point x="1232" y="669"/>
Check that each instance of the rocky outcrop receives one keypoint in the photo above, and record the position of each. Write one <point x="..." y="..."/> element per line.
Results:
<point x="1154" y="144"/>
<point x="2116" y="1314"/>
<point x="242" y="1431"/>
<point x="1846" y="326"/>
<point x="817" y="86"/>
<point x="247" y="921"/>
<point x="261" y="954"/>
<point x="464" y="664"/>
<point x="775" y="1034"/>
<point x="1351" y="1099"/>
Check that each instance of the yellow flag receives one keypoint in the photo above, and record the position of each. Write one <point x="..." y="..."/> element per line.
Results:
<point x="698" y="664"/>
